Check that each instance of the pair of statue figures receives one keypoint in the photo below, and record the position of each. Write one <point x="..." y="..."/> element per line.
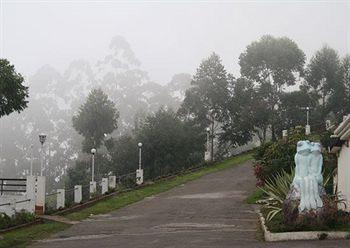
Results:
<point x="308" y="178"/>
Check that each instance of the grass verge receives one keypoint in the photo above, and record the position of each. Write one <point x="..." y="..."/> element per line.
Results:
<point x="23" y="236"/>
<point x="255" y="196"/>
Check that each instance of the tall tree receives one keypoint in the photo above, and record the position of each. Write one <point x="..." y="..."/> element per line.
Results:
<point x="204" y="101"/>
<point x="339" y="100"/>
<point x="273" y="63"/>
<point x="239" y="111"/>
<point x="13" y="93"/>
<point x="96" y="117"/>
<point x="322" y="77"/>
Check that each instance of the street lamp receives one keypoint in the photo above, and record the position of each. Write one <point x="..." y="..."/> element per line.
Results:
<point x="307" y="127"/>
<point x="93" y="152"/>
<point x="140" y="148"/>
<point x="42" y="139"/>
<point x="139" y="171"/>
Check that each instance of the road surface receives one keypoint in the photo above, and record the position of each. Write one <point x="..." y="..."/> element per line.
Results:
<point x="208" y="212"/>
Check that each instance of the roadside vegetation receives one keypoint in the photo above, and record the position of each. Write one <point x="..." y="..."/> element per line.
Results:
<point x="274" y="171"/>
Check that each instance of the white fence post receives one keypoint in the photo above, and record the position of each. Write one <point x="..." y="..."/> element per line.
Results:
<point x="92" y="188"/>
<point x="104" y="185"/>
<point x="78" y="194"/>
<point x="60" y="198"/>
<point x="112" y="182"/>
<point x="40" y="195"/>
<point x="30" y="193"/>
<point x="139" y="176"/>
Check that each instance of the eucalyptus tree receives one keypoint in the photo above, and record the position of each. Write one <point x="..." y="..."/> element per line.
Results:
<point x="204" y="102"/>
<point x="273" y="64"/>
<point x="95" y="118"/>
<point x="322" y="78"/>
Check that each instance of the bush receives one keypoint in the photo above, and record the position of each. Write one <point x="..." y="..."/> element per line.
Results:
<point x="274" y="157"/>
<point x="19" y="218"/>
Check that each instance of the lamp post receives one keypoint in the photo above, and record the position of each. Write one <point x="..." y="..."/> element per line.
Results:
<point x="207" y="154"/>
<point x="139" y="171"/>
<point x="307" y="127"/>
<point x="93" y="152"/>
<point x="42" y="139"/>
<point x="140" y="151"/>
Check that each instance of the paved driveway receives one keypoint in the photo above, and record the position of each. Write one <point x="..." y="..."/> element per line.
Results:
<point x="209" y="212"/>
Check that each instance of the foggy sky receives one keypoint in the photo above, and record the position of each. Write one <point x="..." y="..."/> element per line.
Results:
<point x="168" y="38"/>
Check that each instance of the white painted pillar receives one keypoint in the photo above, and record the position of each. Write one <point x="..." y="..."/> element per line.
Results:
<point x="78" y="194"/>
<point x="112" y="182"/>
<point x="40" y="195"/>
<point x="30" y="193"/>
<point x="307" y="130"/>
<point x="139" y="176"/>
<point x="92" y="188"/>
<point x="60" y="198"/>
<point x="104" y="185"/>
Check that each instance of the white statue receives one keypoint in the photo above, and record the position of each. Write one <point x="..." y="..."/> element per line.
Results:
<point x="308" y="175"/>
<point x="315" y="173"/>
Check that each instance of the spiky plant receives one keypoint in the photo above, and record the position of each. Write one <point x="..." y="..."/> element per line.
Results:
<point x="276" y="189"/>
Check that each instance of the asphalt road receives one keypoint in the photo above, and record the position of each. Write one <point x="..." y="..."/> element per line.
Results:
<point x="208" y="212"/>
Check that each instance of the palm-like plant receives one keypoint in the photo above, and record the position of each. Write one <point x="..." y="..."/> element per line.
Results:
<point x="276" y="190"/>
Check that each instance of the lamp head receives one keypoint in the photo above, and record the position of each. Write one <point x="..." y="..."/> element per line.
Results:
<point x="93" y="151"/>
<point x="139" y="144"/>
<point x="42" y="138"/>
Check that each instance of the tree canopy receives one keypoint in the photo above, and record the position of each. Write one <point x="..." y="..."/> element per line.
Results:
<point x="13" y="93"/>
<point x="96" y="117"/>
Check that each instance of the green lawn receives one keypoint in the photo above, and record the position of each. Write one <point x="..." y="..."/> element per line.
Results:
<point x="23" y="236"/>
<point x="255" y="196"/>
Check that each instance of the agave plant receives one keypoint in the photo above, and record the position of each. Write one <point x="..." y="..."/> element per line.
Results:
<point x="276" y="189"/>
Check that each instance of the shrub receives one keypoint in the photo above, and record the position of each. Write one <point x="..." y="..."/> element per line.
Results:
<point x="19" y="218"/>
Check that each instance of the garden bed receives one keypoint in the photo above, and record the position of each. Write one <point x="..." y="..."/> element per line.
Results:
<point x="302" y="235"/>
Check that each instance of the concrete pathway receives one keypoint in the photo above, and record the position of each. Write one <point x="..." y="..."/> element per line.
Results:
<point x="208" y="212"/>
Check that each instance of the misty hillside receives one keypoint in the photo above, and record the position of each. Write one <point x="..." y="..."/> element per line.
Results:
<point x="55" y="97"/>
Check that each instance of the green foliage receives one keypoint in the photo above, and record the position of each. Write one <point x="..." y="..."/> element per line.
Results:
<point x="169" y="144"/>
<point x="13" y="93"/>
<point x="204" y="100"/>
<point x="274" y="157"/>
<point x="19" y="218"/>
<point x="276" y="189"/>
<point x="273" y="64"/>
<point x="96" y="117"/>
<point x="254" y="197"/>
<point x="24" y="236"/>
